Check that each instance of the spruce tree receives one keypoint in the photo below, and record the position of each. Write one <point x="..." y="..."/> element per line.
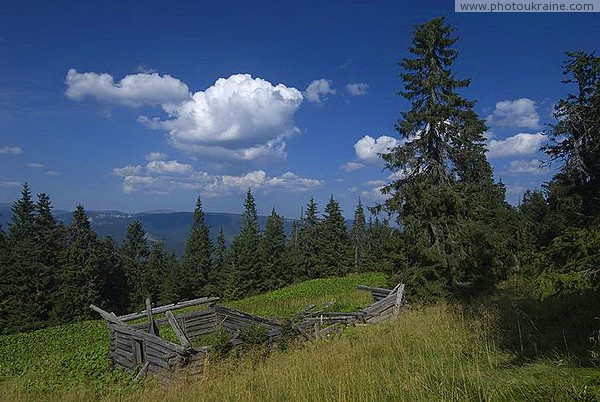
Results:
<point x="114" y="288"/>
<point x="272" y="249"/>
<point x="246" y="269"/>
<point x="358" y="235"/>
<point x="79" y="276"/>
<point x="197" y="257"/>
<point x="445" y="196"/>
<point x="334" y="254"/>
<point x="309" y="238"/>
<point x="161" y="270"/>
<point x="135" y="252"/>
<point x="217" y="278"/>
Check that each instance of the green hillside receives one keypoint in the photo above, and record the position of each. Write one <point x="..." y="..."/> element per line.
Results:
<point x="429" y="353"/>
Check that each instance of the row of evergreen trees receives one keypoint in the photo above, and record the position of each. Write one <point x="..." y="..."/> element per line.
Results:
<point x="51" y="273"/>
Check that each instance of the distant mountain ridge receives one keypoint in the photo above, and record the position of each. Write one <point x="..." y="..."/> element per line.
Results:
<point x="170" y="226"/>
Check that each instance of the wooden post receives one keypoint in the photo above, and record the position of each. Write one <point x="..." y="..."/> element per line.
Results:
<point x="152" y="327"/>
<point x="317" y="331"/>
<point x="142" y="372"/>
<point x="111" y="317"/>
<point x="398" y="302"/>
<point x="183" y="339"/>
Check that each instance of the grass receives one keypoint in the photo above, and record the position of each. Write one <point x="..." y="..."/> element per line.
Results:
<point x="429" y="353"/>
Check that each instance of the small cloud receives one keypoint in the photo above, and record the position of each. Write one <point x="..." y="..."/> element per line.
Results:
<point x="35" y="165"/>
<point x="134" y="90"/>
<point x="156" y="156"/>
<point x="141" y="68"/>
<point x="520" y="113"/>
<point x="519" y="144"/>
<point x="11" y="150"/>
<point x="375" y="183"/>
<point x="357" y="89"/>
<point x="533" y="166"/>
<point x="52" y="173"/>
<point x="367" y="149"/>
<point x="127" y="171"/>
<point x="317" y="91"/>
<point x="169" y="167"/>
<point x="351" y="166"/>
<point x="10" y="184"/>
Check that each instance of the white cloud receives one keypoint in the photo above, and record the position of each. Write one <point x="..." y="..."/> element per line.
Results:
<point x="356" y="89"/>
<point x="156" y="156"/>
<point x="133" y="90"/>
<point x="375" y="183"/>
<point x="238" y="118"/>
<point x="519" y="144"/>
<point x="35" y="165"/>
<point x="10" y="184"/>
<point x="351" y="166"/>
<point x="169" y="168"/>
<point x="367" y="149"/>
<point x="164" y="176"/>
<point x="318" y="90"/>
<point x="52" y="173"/>
<point x="518" y="113"/>
<point x="532" y="166"/>
<point x="11" y="150"/>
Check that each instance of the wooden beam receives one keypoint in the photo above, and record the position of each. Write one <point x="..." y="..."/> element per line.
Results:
<point x="398" y="302"/>
<point x="152" y="327"/>
<point x="111" y="317"/>
<point x="183" y="339"/>
<point x="142" y="372"/>
<point x="173" y="306"/>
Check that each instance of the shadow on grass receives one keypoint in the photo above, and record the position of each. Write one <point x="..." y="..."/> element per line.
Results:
<point x="563" y="327"/>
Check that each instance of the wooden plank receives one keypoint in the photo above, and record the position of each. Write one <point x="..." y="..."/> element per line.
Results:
<point x="152" y="326"/>
<point x="173" y="306"/>
<point x="141" y="335"/>
<point x="122" y="362"/>
<point x="231" y="312"/>
<point x="141" y="373"/>
<point x="110" y="317"/>
<point x="371" y="289"/>
<point x="158" y="362"/>
<point x="183" y="339"/>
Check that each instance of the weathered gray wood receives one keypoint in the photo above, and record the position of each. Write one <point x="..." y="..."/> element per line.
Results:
<point x="371" y="289"/>
<point x="236" y="313"/>
<point x="398" y="301"/>
<point x="141" y="335"/>
<point x="179" y="332"/>
<point x="141" y="373"/>
<point x="110" y="317"/>
<point x="152" y="327"/>
<point x="173" y="306"/>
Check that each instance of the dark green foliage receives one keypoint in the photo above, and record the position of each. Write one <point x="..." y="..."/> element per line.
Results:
<point x="358" y="237"/>
<point x="309" y="240"/>
<point x="247" y="274"/>
<point x="448" y="204"/>
<point x="254" y="336"/>
<point x="574" y="139"/>
<point x="197" y="258"/>
<point x="135" y="252"/>
<point x="334" y="251"/>
<point x="79" y="278"/>
<point x="218" y="275"/>
<point x="164" y="269"/>
<point x="272" y="250"/>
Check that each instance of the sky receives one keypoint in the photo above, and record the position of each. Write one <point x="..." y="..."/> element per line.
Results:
<point x="146" y="105"/>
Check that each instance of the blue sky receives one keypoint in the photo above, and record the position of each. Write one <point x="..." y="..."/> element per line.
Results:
<point x="143" y="105"/>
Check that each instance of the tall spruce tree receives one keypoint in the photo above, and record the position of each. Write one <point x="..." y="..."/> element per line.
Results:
<point x="217" y="278"/>
<point x="272" y="249"/>
<point x="79" y="276"/>
<point x="114" y="288"/>
<point x="309" y="239"/>
<point x="334" y="255"/>
<point x="135" y="252"/>
<point x="162" y="269"/>
<point x="575" y="190"/>
<point x="442" y="165"/>
<point x="358" y="237"/>
<point x="246" y="270"/>
<point x="197" y="257"/>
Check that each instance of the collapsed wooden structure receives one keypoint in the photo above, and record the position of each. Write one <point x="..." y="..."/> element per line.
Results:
<point x="138" y="345"/>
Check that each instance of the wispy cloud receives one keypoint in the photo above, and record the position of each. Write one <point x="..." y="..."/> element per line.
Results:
<point x="520" y="113"/>
<point x="351" y="166"/>
<point x="533" y="166"/>
<point x="317" y="91"/>
<point x="357" y="89"/>
<point x="519" y="144"/>
<point x="11" y="150"/>
<point x="164" y="176"/>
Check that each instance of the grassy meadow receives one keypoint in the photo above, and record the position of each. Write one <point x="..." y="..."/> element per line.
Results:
<point x="429" y="353"/>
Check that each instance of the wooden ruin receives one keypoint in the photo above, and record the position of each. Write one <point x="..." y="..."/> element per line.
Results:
<point x="138" y="346"/>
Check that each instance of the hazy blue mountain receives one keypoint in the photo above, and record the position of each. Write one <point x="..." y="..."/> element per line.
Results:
<point x="170" y="226"/>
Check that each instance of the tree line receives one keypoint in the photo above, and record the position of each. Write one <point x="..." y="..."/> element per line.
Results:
<point x="52" y="272"/>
